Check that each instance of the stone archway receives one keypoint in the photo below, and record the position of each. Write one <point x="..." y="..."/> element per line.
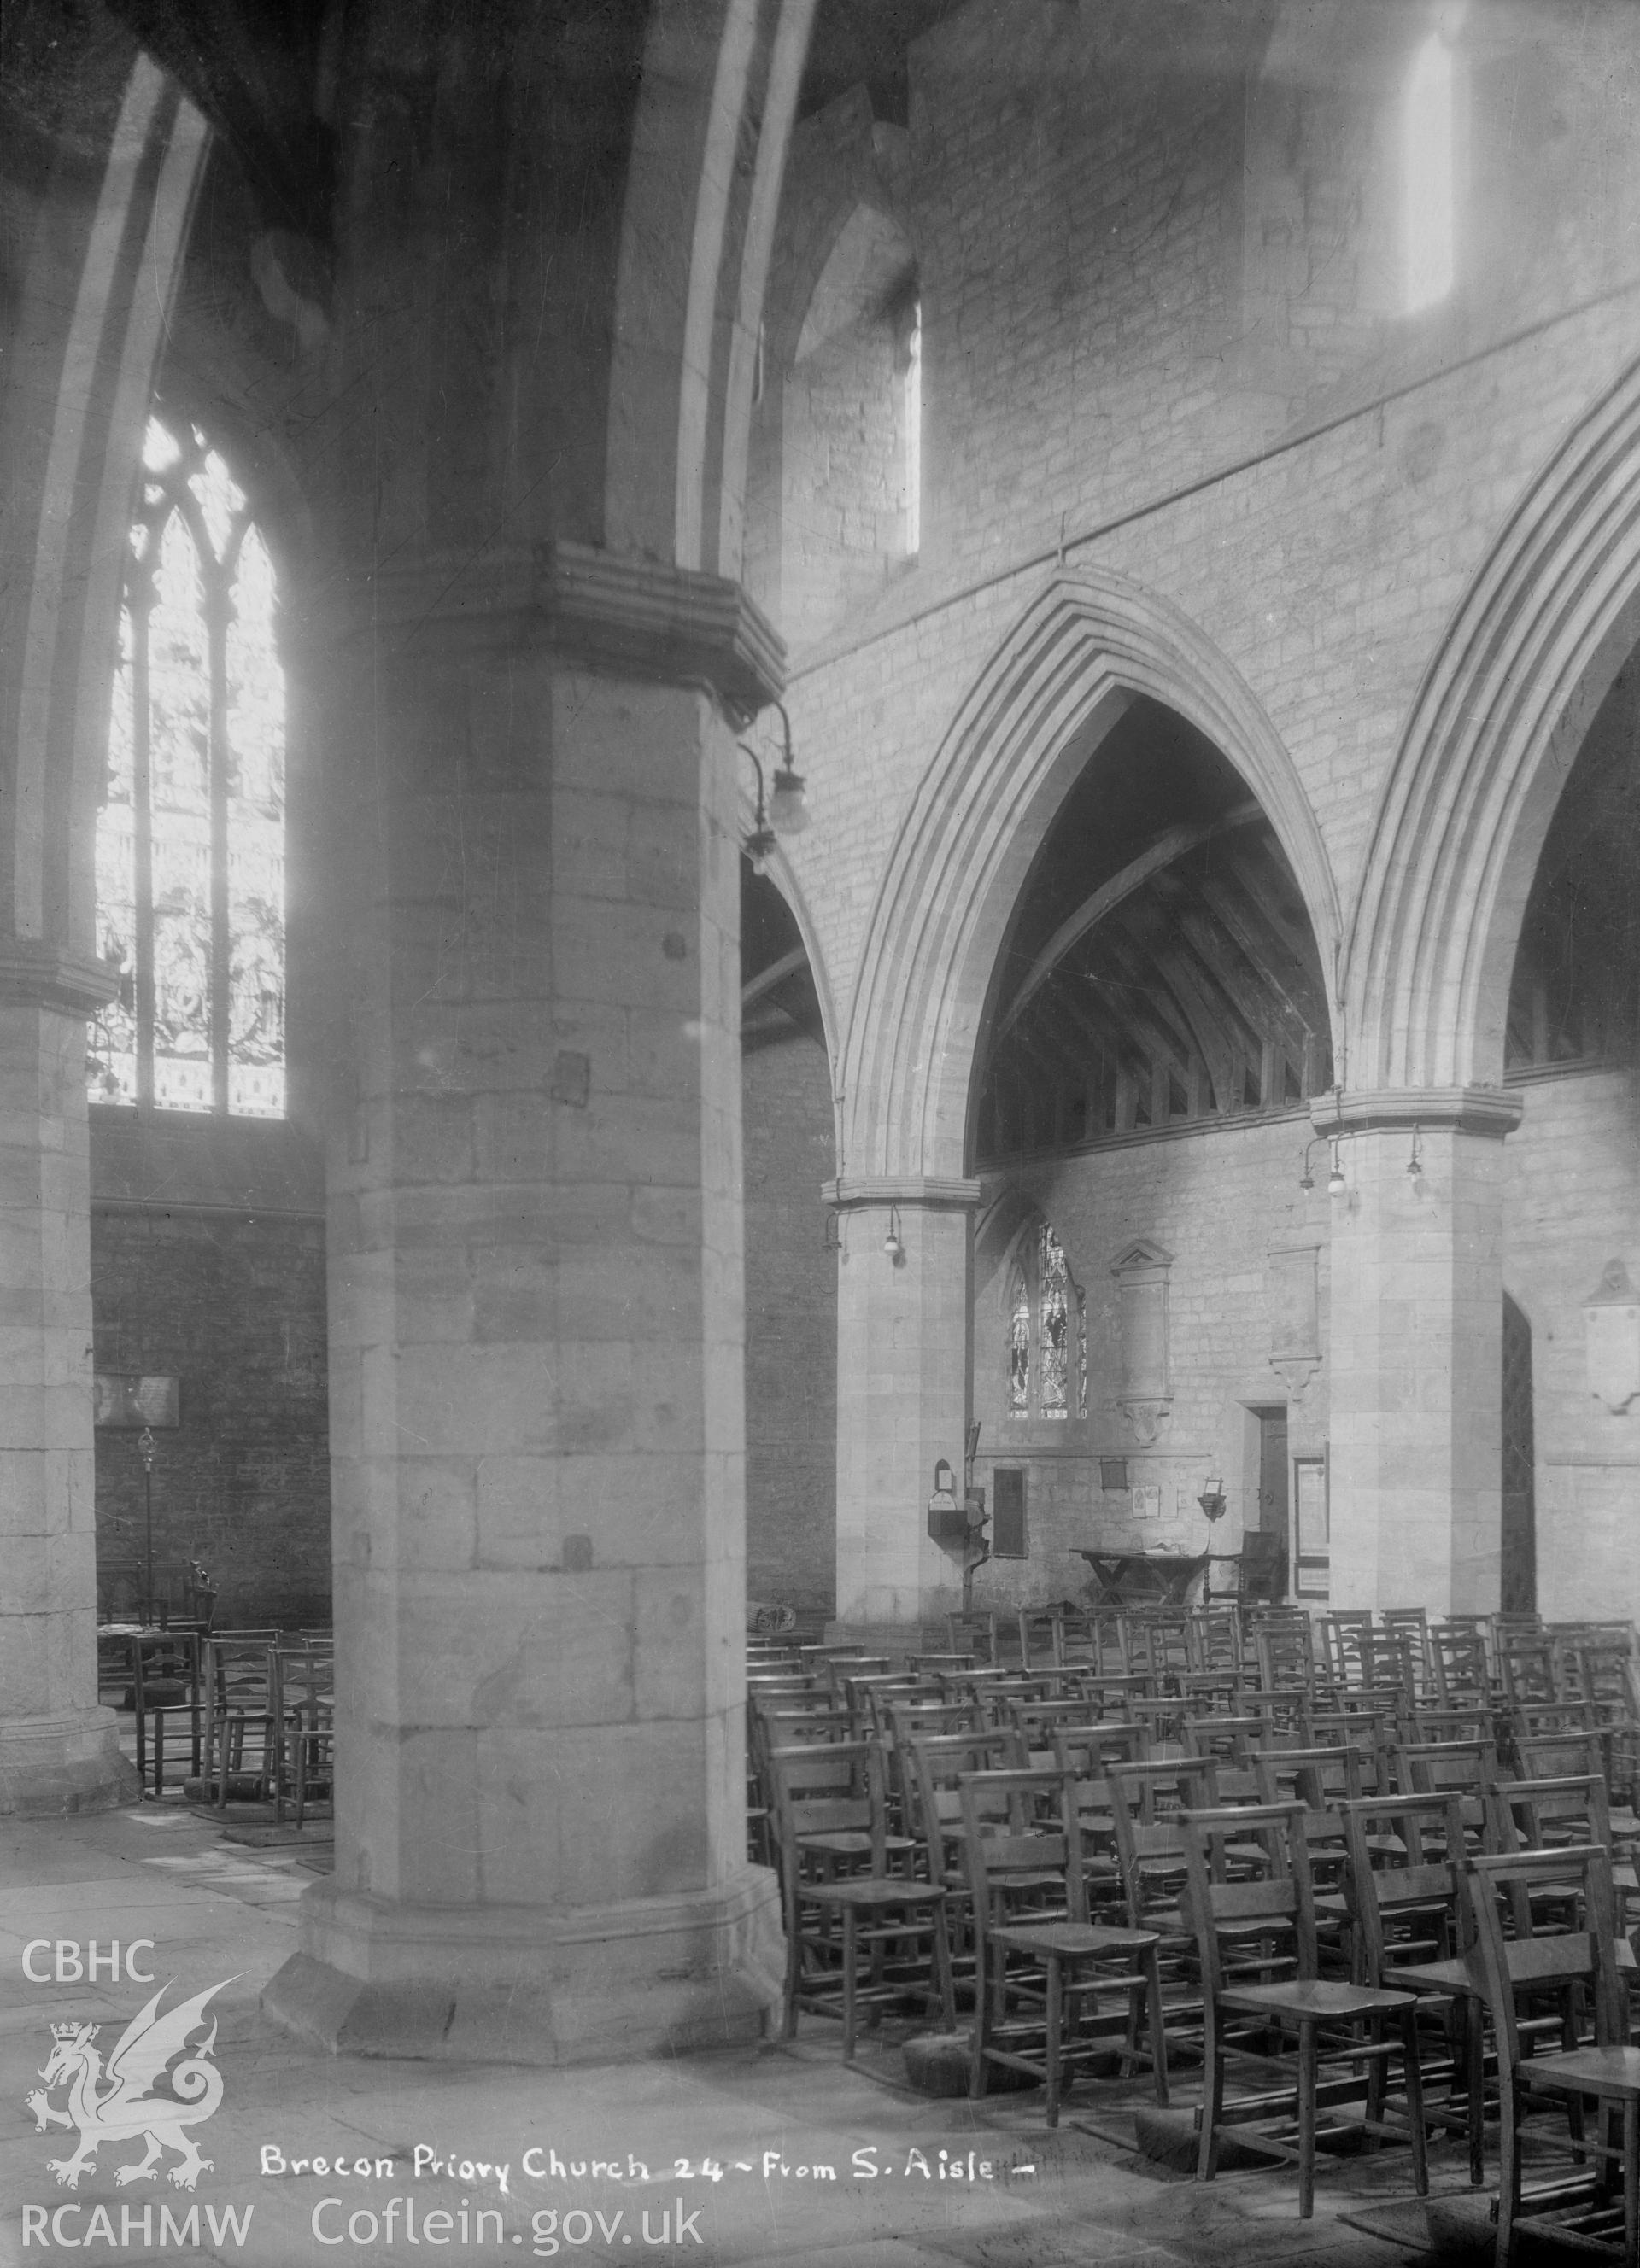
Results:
<point x="1529" y="654"/>
<point x="94" y="298"/>
<point x="1083" y="650"/>
<point x="1087" y="644"/>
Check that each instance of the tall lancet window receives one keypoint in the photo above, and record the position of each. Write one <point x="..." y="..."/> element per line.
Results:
<point x="190" y="838"/>
<point x="1429" y="174"/>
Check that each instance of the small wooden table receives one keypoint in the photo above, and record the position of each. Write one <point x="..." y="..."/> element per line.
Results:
<point x="1128" y="1579"/>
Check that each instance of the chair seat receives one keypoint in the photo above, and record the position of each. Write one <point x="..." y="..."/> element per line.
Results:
<point x="1588" y="2071"/>
<point x="1315" y="1996"/>
<point x="1073" y="1938"/>
<point x="851" y="1843"/>
<point x="1459" y="1976"/>
<point x="869" y="1891"/>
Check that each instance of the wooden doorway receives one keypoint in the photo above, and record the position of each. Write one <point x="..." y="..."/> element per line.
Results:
<point x="1274" y="1520"/>
<point x="1519" y="1587"/>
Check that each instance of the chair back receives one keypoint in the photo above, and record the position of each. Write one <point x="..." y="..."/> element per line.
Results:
<point x="1467" y="1768"/>
<point x="1540" y="1954"/>
<point x="1215" y="1640"/>
<point x="974" y="1635"/>
<point x="1403" y="1880"/>
<point x="1020" y="1839"/>
<point x="1146" y="1808"/>
<point x="827" y="1788"/>
<point x="1457" y="1651"/>
<point x="1216" y="1896"/>
<point x="935" y="1767"/>
<point x="1547" y="1815"/>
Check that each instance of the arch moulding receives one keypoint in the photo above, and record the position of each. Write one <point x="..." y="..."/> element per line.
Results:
<point x="1086" y="646"/>
<point x="1530" y="653"/>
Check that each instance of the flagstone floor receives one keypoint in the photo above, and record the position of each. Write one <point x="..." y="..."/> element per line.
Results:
<point x="774" y="2155"/>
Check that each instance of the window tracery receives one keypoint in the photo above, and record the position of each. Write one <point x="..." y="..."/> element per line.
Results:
<point x="190" y="837"/>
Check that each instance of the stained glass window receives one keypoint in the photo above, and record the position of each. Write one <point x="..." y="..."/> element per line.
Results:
<point x="1054" y="1324"/>
<point x="1019" y="1347"/>
<point x="1047" y="1325"/>
<point x="190" y="837"/>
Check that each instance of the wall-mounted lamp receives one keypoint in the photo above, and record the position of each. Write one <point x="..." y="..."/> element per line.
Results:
<point x="1307" y="1179"/>
<point x="788" y="798"/>
<point x="1212" y="1498"/>
<point x="787" y="811"/>
<point x="1335" y="1181"/>
<point x="761" y="841"/>
<point x="891" y="1244"/>
<point x="1415" y="1164"/>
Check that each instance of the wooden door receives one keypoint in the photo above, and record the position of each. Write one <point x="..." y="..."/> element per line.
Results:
<point x="1274" y="1510"/>
<point x="1519" y="1592"/>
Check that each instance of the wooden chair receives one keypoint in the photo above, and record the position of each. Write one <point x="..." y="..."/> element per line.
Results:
<point x="1463" y="1678"/>
<point x="1527" y="1667"/>
<point x="1243" y="2001"/>
<point x="935" y="1763"/>
<point x="1467" y="1768"/>
<point x="1412" y="1929"/>
<point x="165" y="1682"/>
<point x="1285" y="1644"/>
<point x="302" y="1696"/>
<point x="1524" y="1967"/>
<point x="1342" y="1634"/>
<point x="241" y="1735"/>
<point x="974" y="1635"/>
<point x="1054" y="1993"/>
<point x="1411" y="1623"/>
<point x="856" y="1935"/>
<point x="1041" y="1637"/>
<point x="1216" y="1641"/>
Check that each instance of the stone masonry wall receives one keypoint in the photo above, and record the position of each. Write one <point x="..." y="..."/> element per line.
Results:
<point x="791" y="1328"/>
<point x="1220" y="1201"/>
<point x="233" y="1304"/>
<point x="1082" y="291"/>
<point x="1571" y="1204"/>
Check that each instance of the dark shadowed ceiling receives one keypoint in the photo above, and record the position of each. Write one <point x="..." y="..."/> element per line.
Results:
<point x="1161" y="967"/>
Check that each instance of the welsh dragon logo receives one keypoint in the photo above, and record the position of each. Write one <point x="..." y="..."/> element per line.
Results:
<point x="114" y="2103"/>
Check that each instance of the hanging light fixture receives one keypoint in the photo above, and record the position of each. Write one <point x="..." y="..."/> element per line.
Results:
<point x="1415" y="1164"/>
<point x="1307" y="1179"/>
<point x="891" y="1244"/>
<point x="1335" y="1181"/>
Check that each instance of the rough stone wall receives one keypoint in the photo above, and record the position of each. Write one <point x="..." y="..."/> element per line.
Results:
<point x="1220" y="1202"/>
<point x="791" y="1328"/>
<point x="1571" y="1204"/>
<point x="843" y="518"/>
<point x="1079" y="223"/>
<point x="233" y="1304"/>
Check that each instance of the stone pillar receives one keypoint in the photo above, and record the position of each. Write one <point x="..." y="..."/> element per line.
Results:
<point x="536" y="1325"/>
<point x="1416" y="1349"/>
<point x="902" y="1395"/>
<point x="58" y="1750"/>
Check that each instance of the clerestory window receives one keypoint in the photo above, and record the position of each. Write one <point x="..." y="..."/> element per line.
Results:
<point x="190" y="837"/>
<point x="1430" y="174"/>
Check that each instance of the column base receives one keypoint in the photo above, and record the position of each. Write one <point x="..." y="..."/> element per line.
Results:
<point x="521" y="1985"/>
<point x="53" y="1766"/>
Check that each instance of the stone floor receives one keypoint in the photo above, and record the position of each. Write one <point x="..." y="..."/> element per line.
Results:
<point x="715" y="2159"/>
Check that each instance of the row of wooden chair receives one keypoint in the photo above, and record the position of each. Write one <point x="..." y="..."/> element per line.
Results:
<point x="1054" y="2015"/>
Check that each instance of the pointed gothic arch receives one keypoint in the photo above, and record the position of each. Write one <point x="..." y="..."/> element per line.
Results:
<point x="1532" y="650"/>
<point x="1088" y="644"/>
